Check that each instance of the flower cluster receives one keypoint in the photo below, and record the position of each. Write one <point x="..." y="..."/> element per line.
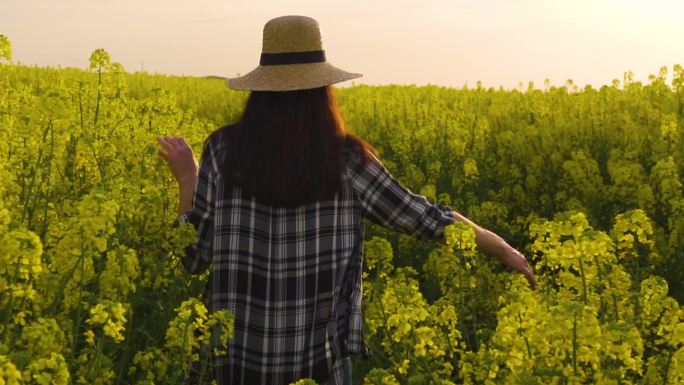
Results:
<point x="111" y="316"/>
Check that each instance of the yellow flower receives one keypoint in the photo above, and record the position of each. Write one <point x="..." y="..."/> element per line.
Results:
<point x="113" y="330"/>
<point x="112" y="316"/>
<point x="90" y="336"/>
<point x="20" y="318"/>
<point x="9" y="374"/>
<point x="403" y="368"/>
<point x="49" y="371"/>
<point x="304" y="381"/>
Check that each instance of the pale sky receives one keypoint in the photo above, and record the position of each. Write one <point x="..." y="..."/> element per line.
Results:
<point x="499" y="42"/>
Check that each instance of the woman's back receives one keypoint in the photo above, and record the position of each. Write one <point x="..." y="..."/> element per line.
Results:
<point x="292" y="276"/>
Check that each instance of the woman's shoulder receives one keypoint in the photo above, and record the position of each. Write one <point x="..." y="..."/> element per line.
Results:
<point x="218" y="141"/>
<point x="214" y="146"/>
<point x="220" y="135"/>
<point x="357" y="152"/>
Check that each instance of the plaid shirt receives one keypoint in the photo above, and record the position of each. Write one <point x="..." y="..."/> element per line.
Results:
<point x="292" y="276"/>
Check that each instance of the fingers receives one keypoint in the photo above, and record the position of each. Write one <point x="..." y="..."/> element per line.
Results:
<point x="171" y="141"/>
<point x="530" y="277"/>
<point x="532" y="280"/>
<point x="162" y="155"/>
<point x="164" y="147"/>
<point x="177" y="141"/>
<point x="527" y="270"/>
<point x="163" y="140"/>
<point x="171" y="145"/>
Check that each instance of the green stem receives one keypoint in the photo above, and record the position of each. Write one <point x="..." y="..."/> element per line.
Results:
<point x="203" y="368"/>
<point x="637" y="305"/>
<point x="574" y="345"/>
<point x="80" y="103"/>
<point x="600" y="288"/>
<point x="522" y="333"/>
<point x="584" y="282"/>
<point x="97" y="101"/>
<point x="43" y="229"/>
<point x="124" y="360"/>
<point x="25" y="194"/>
<point x="79" y="307"/>
<point x="667" y="368"/>
<point x="98" y="348"/>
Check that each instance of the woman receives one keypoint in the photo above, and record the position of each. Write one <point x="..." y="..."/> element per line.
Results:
<point x="278" y="201"/>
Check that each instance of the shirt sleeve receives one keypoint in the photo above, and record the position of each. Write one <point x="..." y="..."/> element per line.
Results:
<point x="386" y="202"/>
<point x="198" y="255"/>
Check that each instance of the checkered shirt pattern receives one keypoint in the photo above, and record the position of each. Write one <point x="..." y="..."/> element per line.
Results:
<point x="292" y="276"/>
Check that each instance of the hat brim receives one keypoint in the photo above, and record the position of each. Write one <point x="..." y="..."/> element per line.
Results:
<point x="290" y="77"/>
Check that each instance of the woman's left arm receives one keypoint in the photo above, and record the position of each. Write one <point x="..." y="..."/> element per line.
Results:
<point x="183" y="165"/>
<point x="186" y="188"/>
<point x="196" y="190"/>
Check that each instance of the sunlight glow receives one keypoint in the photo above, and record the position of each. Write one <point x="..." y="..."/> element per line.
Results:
<point x="499" y="42"/>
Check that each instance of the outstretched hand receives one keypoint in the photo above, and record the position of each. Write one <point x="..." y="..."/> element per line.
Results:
<point x="493" y="245"/>
<point x="515" y="260"/>
<point x="179" y="157"/>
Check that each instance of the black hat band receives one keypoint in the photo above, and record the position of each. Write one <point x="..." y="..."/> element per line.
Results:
<point x="269" y="59"/>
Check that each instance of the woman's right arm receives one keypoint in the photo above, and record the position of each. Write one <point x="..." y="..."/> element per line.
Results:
<point x="493" y="245"/>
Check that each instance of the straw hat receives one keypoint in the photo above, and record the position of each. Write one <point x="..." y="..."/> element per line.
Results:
<point x="292" y="58"/>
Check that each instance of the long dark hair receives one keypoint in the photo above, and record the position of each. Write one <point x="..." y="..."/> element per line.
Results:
<point x="286" y="148"/>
